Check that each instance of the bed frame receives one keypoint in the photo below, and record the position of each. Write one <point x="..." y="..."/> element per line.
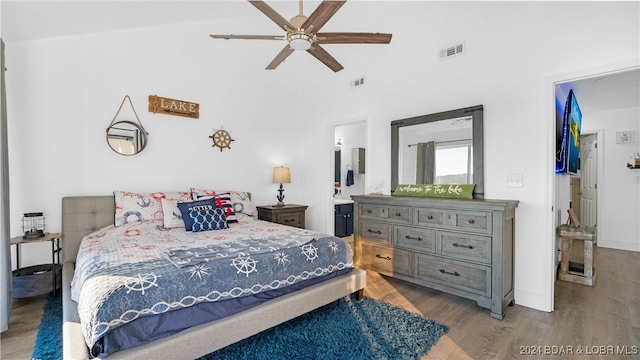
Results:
<point x="82" y="215"/>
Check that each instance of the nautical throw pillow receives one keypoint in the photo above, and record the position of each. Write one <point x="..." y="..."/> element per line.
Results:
<point x="131" y="206"/>
<point x="452" y="191"/>
<point x="242" y="203"/>
<point x="188" y="206"/>
<point x="223" y="201"/>
<point x="208" y="219"/>
<point x="240" y="200"/>
<point x="171" y="215"/>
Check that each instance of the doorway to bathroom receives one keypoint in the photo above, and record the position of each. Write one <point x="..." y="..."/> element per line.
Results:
<point x="348" y="169"/>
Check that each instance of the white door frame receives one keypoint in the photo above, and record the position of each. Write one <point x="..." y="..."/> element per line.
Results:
<point x="331" y="128"/>
<point x="550" y="84"/>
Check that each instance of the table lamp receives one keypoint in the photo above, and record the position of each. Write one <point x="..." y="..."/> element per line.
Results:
<point x="283" y="176"/>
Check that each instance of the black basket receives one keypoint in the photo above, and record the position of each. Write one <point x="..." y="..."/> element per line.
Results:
<point x="35" y="280"/>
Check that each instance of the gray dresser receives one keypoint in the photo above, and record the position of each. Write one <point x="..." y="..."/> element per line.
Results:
<point x="462" y="247"/>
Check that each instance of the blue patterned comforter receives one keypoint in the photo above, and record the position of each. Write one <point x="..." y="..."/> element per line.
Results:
<point x="135" y="270"/>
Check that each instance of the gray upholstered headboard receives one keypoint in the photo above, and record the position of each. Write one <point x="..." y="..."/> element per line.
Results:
<point x="82" y="215"/>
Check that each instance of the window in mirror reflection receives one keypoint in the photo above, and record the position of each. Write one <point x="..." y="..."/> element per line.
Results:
<point x="122" y="144"/>
<point x="453" y="164"/>
<point x="436" y="152"/>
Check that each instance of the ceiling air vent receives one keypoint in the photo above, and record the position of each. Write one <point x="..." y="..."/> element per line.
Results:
<point x="450" y="51"/>
<point x="358" y="82"/>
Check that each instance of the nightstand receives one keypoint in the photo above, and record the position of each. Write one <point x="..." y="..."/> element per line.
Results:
<point x="37" y="279"/>
<point x="289" y="214"/>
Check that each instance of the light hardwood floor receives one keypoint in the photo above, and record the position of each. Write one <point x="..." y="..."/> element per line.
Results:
<point x="601" y="320"/>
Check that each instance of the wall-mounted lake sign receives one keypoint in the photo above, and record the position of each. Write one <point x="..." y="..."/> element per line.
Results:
<point x="162" y="105"/>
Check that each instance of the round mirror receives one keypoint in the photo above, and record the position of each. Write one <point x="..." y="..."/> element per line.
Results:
<point x="126" y="137"/>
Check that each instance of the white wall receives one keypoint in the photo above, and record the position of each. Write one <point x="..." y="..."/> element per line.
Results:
<point x="620" y="188"/>
<point x="63" y="92"/>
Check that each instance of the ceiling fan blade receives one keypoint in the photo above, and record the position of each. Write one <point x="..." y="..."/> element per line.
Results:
<point x="321" y="54"/>
<point x="248" y="37"/>
<point x="353" y="38"/>
<point x="321" y="15"/>
<point x="273" y="15"/>
<point x="283" y="54"/>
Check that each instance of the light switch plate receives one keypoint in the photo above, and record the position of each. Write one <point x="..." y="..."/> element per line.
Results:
<point x="514" y="180"/>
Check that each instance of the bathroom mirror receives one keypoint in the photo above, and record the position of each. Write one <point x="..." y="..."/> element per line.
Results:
<point x="443" y="148"/>
<point x="126" y="137"/>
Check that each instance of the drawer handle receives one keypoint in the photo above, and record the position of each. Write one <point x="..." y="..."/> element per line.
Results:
<point x="471" y="221"/>
<point x="398" y="214"/>
<point x="455" y="273"/>
<point x="375" y="231"/>
<point x="369" y="211"/>
<point x="409" y="237"/>
<point x="430" y="217"/>
<point x="289" y="220"/>
<point x="383" y="257"/>
<point x="463" y="246"/>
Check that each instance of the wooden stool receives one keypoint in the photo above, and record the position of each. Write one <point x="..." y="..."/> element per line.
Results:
<point x="576" y="272"/>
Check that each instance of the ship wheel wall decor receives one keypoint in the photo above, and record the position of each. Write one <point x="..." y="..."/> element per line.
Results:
<point x="222" y="139"/>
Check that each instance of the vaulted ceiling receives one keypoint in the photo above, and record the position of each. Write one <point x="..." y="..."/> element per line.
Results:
<point x="24" y="20"/>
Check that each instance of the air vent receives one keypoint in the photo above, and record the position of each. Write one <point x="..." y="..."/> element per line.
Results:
<point x="450" y="51"/>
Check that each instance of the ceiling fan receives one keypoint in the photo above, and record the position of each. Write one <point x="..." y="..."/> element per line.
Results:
<point x="302" y="33"/>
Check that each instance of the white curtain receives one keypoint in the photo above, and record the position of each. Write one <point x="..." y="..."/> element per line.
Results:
<point x="6" y="291"/>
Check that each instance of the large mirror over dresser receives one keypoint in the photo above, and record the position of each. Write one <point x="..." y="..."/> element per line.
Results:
<point x="440" y="148"/>
<point x="462" y="246"/>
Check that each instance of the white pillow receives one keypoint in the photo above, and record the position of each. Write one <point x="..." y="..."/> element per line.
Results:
<point x="171" y="215"/>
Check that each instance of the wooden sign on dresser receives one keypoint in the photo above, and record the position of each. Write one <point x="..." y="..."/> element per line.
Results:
<point x="462" y="247"/>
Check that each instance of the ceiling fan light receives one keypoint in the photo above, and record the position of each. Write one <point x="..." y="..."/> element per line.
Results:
<point x="299" y="41"/>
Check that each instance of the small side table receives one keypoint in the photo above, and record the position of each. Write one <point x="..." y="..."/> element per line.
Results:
<point x="580" y="273"/>
<point x="288" y="214"/>
<point x="38" y="273"/>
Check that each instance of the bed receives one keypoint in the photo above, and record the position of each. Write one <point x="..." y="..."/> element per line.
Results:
<point x="84" y="215"/>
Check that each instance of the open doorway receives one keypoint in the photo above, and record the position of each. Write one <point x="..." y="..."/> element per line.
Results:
<point x="608" y="98"/>
<point x="347" y="169"/>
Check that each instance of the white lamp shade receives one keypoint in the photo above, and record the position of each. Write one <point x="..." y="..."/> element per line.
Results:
<point x="299" y="44"/>
<point x="281" y="175"/>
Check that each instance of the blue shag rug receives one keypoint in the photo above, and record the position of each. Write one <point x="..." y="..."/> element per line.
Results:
<point x="367" y="329"/>
<point x="49" y="340"/>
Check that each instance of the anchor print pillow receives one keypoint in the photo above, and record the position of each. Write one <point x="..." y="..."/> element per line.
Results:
<point x="132" y="206"/>
<point x="240" y="200"/>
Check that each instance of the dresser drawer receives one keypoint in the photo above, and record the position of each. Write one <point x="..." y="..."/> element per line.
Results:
<point x="466" y="246"/>
<point x="415" y="238"/>
<point x="291" y="219"/>
<point x="384" y="259"/>
<point x="475" y="221"/>
<point x="375" y="231"/>
<point x="428" y="216"/>
<point x="455" y="274"/>
<point x="395" y="214"/>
